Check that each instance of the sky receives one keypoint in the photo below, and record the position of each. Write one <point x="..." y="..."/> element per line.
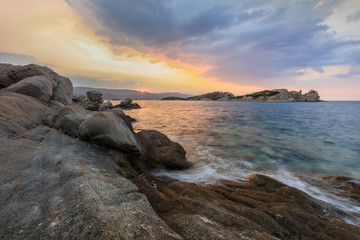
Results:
<point x="190" y="46"/>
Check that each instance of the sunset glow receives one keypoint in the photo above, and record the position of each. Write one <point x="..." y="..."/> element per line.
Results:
<point x="191" y="47"/>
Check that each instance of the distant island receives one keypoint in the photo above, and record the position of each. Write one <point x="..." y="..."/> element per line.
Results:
<point x="275" y="95"/>
<point x="116" y="94"/>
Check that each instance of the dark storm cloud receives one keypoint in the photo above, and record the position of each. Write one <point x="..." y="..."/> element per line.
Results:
<point x="243" y="40"/>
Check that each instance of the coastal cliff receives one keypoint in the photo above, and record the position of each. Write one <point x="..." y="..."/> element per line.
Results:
<point x="74" y="168"/>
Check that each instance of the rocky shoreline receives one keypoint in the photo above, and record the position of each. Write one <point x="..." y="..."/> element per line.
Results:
<point x="74" y="168"/>
<point x="275" y="95"/>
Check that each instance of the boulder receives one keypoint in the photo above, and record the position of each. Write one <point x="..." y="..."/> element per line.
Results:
<point x="105" y="106"/>
<point x="18" y="113"/>
<point x="127" y="104"/>
<point x="69" y="119"/>
<point x="63" y="92"/>
<point x="95" y="96"/>
<point x="55" y="104"/>
<point x="162" y="151"/>
<point x="92" y="106"/>
<point x="106" y="128"/>
<point x="120" y="113"/>
<point x="78" y="98"/>
<point x="39" y="87"/>
<point x="10" y="74"/>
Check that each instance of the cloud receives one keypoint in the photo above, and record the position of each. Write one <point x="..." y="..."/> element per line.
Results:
<point x="87" y="81"/>
<point x="20" y="59"/>
<point x="245" y="42"/>
<point x="354" y="17"/>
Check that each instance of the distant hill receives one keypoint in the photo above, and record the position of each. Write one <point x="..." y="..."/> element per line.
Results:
<point x="124" y="93"/>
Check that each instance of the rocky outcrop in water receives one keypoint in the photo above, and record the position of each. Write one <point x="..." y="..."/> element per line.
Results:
<point x="276" y="95"/>
<point x="279" y="95"/>
<point x="127" y="104"/>
<point x="71" y="173"/>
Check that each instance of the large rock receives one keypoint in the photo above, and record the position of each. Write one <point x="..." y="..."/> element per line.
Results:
<point x="39" y="87"/>
<point x="95" y="96"/>
<point x="63" y="92"/>
<point x="10" y="74"/>
<point x="312" y="96"/>
<point x="55" y="187"/>
<point x="162" y="151"/>
<point x="69" y="119"/>
<point x="106" y="128"/>
<point x="128" y="104"/>
<point x="105" y="106"/>
<point x="19" y="113"/>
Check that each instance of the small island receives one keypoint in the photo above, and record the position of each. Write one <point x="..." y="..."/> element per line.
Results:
<point x="275" y="95"/>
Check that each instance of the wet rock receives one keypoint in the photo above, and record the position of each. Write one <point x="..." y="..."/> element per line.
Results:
<point x="130" y="119"/>
<point x="95" y="96"/>
<point x="161" y="151"/>
<point x="350" y="187"/>
<point x="106" y="128"/>
<point x="39" y="87"/>
<point x="258" y="208"/>
<point x="128" y="104"/>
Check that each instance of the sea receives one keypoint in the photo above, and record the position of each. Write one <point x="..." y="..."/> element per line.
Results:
<point x="293" y="142"/>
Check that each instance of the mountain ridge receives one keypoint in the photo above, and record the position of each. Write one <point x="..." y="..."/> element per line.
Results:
<point x="112" y="94"/>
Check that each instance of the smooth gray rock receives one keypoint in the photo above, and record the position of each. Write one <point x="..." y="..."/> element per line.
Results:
<point x="19" y="113"/>
<point x="39" y="87"/>
<point x="106" y="128"/>
<point x="63" y="92"/>
<point x="69" y="119"/>
<point x="106" y="106"/>
<point x="55" y="104"/>
<point x="95" y="96"/>
<point x="10" y="74"/>
<point x="55" y="187"/>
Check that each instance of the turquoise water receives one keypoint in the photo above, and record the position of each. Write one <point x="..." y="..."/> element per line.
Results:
<point x="307" y="138"/>
<point x="295" y="143"/>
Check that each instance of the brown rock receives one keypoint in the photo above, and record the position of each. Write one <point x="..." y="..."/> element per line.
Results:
<point x="162" y="151"/>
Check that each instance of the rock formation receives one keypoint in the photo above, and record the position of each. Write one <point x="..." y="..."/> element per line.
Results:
<point x="67" y="172"/>
<point x="127" y="104"/>
<point x="275" y="95"/>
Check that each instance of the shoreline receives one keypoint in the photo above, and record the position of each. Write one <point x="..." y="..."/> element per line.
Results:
<point x="75" y="168"/>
